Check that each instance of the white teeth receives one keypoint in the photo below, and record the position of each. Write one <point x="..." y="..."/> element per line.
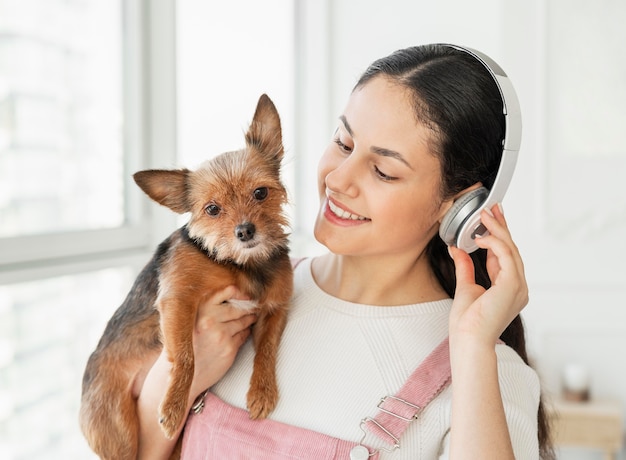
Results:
<point x="343" y="214"/>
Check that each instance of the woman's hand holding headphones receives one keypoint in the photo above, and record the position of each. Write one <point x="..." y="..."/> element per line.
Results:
<point x="482" y="315"/>
<point x="477" y="319"/>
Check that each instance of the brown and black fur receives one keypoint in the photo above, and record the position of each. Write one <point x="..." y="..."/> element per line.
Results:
<point x="244" y="244"/>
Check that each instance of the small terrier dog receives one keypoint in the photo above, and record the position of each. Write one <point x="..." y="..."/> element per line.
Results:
<point x="236" y="235"/>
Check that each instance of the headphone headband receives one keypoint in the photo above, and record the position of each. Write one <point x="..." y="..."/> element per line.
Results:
<point x="461" y="225"/>
<point x="510" y="103"/>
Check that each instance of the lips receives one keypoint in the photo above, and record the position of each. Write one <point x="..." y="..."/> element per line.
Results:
<point x="343" y="214"/>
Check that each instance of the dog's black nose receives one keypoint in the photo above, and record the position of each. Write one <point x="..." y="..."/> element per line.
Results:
<point x="245" y="231"/>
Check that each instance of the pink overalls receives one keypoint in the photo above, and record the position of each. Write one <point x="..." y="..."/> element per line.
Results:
<point x="219" y="431"/>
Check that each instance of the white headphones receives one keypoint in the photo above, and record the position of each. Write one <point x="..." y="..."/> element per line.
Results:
<point x="462" y="224"/>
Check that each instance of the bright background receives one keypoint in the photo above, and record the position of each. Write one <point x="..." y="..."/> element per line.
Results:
<point x="93" y="90"/>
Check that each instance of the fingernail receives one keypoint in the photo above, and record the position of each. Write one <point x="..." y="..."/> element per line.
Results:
<point x="450" y="252"/>
<point x="500" y="208"/>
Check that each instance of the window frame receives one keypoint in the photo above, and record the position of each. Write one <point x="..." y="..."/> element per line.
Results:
<point x="149" y="99"/>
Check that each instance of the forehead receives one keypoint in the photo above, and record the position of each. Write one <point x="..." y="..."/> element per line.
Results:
<point x="382" y="113"/>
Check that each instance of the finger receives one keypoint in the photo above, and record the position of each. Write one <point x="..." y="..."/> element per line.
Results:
<point x="237" y="318"/>
<point x="505" y="267"/>
<point x="239" y="330"/>
<point x="241" y="337"/>
<point x="233" y="297"/>
<point x="240" y="323"/>
<point x="494" y="221"/>
<point x="246" y="321"/>
<point x="223" y="295"/>
<point x="221" y="298"/>
<point x="500" y="256"/>
<point x="238" y="295"/>
<point x="497" y="227"/>
<point x="498" y="213"/>
<point x="464" y="267"/>
<point x="496" y="224"/>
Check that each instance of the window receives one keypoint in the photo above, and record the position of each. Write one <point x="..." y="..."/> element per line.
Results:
<point x="61" y="118"/>
<point x="47" y="328"/>
<point x="87" y="97"/>
<point x="84" y="102"/>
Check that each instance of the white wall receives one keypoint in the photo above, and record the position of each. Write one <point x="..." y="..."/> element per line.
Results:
<point x="566" y="205"/>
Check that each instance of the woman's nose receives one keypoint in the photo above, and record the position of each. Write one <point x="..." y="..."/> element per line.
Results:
<point x="344" y="176"/>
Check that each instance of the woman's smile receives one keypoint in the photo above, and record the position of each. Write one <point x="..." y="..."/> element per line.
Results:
<point x="338" y="211"/>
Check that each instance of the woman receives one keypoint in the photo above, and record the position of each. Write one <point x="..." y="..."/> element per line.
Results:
<point x="422" y="127"/>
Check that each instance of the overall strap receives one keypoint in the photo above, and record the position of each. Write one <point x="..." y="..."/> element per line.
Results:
<point x="395" y="413"/>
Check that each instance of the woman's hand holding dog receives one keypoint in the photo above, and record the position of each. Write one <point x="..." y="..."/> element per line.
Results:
<point x="219" y="333"/>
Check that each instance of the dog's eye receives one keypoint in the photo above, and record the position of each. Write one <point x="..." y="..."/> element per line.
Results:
<point x="212" y="210"/>
<point x="260" y="193"/>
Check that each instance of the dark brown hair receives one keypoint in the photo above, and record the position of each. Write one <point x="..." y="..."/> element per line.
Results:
<point x="457" y="98"/>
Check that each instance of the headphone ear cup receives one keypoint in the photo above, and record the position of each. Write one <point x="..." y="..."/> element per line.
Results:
<point x="466" y="205"/>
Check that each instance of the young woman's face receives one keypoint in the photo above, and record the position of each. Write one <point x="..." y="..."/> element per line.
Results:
<point x="378" y="180"/>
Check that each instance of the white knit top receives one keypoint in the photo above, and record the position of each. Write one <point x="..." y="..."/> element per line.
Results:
<point x="337" y="359"/>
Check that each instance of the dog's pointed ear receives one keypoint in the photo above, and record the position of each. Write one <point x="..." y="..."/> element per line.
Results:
<point x="265" y="133"/>
<point x="166" y="187"/>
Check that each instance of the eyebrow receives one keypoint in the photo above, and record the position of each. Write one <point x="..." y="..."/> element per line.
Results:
<point x="377" y="150"/>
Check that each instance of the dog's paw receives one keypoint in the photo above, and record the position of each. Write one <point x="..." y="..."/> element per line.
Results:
<point x="261" y="401"/>
<point x="171" y="415"/>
